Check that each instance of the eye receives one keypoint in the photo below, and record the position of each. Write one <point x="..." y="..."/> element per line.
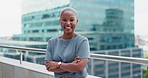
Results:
<point x="72" y="20"/>
<point x="64" y="20"/>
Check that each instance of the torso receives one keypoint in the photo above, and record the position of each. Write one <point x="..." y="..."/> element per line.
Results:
<point x="65" y="51"/>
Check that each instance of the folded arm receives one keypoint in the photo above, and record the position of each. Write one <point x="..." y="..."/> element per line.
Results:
<point x="75" y="66"/>
<point x="53" y="66"/>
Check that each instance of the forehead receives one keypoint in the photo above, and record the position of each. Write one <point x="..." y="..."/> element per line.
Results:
<point x="68" y="11"/>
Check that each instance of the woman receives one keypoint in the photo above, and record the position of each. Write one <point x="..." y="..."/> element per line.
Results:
<point x="67" y="55"/>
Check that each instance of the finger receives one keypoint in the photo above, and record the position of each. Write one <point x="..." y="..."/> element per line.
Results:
<point x="49" y="69"/>
<point x="77" y="57"/>
<point x="47" y="66"/>
<point x="78" y="61"/>
<point x="47" y="61"/>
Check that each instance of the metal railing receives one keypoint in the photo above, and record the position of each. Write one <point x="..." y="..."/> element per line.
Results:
<point x="93" y="56"/>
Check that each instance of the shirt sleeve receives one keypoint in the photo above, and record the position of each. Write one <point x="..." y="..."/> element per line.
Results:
<point x="84" y="50"/>
<point x="48" y="51"/>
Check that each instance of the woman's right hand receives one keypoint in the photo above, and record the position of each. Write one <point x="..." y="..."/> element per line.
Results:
<point x="51" y="65"/>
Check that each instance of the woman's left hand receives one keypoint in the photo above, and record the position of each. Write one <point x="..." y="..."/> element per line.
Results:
<point x="77" y="59"/>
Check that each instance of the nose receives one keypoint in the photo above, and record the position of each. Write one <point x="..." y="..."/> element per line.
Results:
<point x="68" y="23"/>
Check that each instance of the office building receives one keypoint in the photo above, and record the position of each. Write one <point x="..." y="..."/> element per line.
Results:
<point x="41" y="25"/>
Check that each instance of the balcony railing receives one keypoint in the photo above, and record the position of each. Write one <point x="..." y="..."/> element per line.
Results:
<point x="133" y="60"/>
<point x="93" y="56"/>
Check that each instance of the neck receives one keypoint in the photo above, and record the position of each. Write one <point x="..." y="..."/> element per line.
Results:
<point x="68" y="36"/>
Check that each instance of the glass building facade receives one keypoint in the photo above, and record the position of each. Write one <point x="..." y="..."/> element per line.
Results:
<point x="92" y="12"/>
<point x="108" y="25"/>
<point x="41" y="25"/>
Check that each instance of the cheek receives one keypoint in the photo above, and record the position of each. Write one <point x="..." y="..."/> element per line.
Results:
<point x="62" y="24"/>
<point x="74" y="25"/>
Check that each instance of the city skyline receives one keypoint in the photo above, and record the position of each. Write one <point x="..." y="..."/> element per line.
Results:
<point x="11" y="19"/>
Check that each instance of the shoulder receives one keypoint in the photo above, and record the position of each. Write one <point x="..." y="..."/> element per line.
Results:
<point x="52" y="40"/>
<point x="81" y="37"/>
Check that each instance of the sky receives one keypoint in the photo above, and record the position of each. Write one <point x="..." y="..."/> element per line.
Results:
<point x="10" y="20"/>
<point x="141" y="17"/>
<point x="11" y="11"/>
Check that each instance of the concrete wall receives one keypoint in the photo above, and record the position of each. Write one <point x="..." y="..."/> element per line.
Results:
<point x="10" y="68"/>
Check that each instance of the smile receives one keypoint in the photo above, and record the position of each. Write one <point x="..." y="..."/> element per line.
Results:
<point x="67" y="27"/>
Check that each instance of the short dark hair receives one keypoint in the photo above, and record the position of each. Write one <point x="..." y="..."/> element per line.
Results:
<point x="69" y="8"/>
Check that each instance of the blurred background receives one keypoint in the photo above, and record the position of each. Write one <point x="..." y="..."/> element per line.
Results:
<point x="113" y="27"/>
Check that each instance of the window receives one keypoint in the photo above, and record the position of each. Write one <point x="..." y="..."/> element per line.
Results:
<point x="35" y="31"/>
<point x="45" y="16"/>
<point x="52" y="30"/>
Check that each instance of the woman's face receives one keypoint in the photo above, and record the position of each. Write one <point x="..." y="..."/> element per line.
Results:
<point x="68" y="21"/>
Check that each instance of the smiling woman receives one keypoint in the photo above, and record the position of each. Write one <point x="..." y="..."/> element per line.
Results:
<point x="67" y="55"/>
<point x="10" y="17"/>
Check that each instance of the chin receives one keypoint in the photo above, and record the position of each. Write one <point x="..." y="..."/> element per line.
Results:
<point x="68" y="32"/>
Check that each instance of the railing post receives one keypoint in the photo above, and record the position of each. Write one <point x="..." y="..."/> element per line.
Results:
<point x="26" y="53"/>
<point x="21" y="56"/>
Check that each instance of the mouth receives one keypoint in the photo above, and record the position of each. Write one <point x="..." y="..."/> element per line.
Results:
<point x="68" y="27"/>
